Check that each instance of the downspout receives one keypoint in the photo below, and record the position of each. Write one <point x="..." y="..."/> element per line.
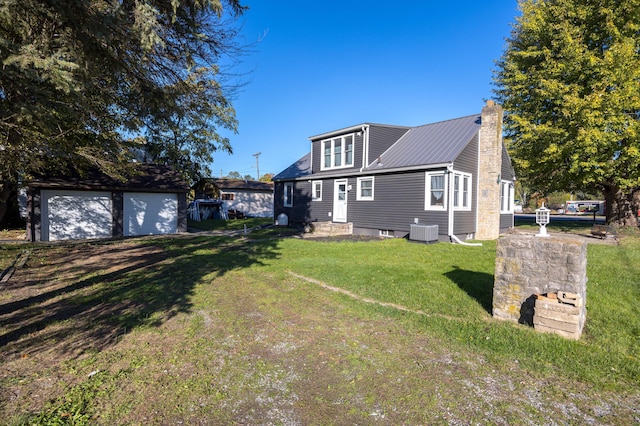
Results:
<point x="365" y="147"/>
<point x="450" y="224"/>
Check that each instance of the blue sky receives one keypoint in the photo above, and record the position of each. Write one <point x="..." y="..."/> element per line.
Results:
<point x="319" y="66"/>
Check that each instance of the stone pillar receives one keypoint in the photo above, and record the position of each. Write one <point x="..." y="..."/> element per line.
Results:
<point x="490" y="159"/>
<point x="529" y="266"/>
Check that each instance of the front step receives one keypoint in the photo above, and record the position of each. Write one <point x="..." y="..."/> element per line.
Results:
<point x="330" y="229"/>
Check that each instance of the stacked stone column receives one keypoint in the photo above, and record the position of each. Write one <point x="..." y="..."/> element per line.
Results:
<point x="530" y="274"/>
<point x="490" y="147"/>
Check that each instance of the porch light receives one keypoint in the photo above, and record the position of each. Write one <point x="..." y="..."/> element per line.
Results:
<point x="542" y="219"/>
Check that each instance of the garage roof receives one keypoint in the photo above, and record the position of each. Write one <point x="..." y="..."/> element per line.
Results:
<point x="147" y="177"/>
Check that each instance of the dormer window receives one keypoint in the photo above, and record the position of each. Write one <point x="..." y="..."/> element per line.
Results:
<point x="337" y="152"/>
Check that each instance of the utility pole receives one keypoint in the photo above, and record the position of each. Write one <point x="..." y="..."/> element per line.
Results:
<point x="257" y="154"/>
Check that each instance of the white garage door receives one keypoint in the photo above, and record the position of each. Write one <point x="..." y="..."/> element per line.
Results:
<point x="150" y="213"/>
<point x="75" y="215"/>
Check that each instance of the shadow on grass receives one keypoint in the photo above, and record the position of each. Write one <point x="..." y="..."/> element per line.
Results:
<point x="74" y="300"/>
<point x="478" y="285"/>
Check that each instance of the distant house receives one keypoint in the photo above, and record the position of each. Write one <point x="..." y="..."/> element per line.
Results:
<point x="253" y="198"/>
<point x="379" y="179"/>
<point x="151" y="202"/>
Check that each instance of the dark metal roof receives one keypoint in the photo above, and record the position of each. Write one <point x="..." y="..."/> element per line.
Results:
<point x="253" y="185"/>
<point x="148" y="177"/>
<point x="299" y="169"/>
<point x="430" y="144"/>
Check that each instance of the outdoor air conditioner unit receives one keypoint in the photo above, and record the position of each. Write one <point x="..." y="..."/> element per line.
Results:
<point x="425" y="233"/>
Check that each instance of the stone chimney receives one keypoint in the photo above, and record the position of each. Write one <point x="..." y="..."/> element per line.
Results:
<point x="490" y="159"/>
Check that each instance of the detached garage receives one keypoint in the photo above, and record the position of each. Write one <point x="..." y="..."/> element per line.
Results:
<point x="151" y="202"/>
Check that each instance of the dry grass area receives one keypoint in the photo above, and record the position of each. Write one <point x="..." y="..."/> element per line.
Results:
<point x="210" y="331"/>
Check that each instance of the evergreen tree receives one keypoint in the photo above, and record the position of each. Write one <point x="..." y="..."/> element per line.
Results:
<point x="569" y="81"/>
<point x="90" y="82"/>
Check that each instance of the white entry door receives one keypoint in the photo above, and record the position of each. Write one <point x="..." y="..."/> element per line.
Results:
<point x="340" y="200"/>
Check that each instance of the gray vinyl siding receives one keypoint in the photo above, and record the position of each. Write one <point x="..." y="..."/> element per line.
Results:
<point x="319" y="210"/>
<point x="304" y="210"/>
<point x="381" y="138"/>
<point x="467" y="162"/>
<point x="299" y="213"/>
<point x="398" y="200"/>
<point x="506" y="170"/>
<point x="506" y="221"/>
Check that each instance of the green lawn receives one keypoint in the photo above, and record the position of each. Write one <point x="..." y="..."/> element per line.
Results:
<point x="224" y="330"/>
<point x="454" y="283"/>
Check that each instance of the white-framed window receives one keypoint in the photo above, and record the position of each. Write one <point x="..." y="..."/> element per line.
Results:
<point x="288" y="194"/>
<point x="316" y="190"/>
<point x="226" y="196"/>
<point x="436" y="191"/>
<point x="337" y="152"/>
<point x="365" y="189"/>
<point x="461" y="191"/>
<point x="507" y="192"/>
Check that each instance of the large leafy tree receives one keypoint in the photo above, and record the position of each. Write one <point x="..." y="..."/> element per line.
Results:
<point x="95" y="82"/>
<point x="569" y="81"/>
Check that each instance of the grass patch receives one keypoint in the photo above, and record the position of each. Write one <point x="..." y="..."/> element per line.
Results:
<point x="442" y="279"/>
<point x="217" y="330"/>
<point x="453" y="284"/>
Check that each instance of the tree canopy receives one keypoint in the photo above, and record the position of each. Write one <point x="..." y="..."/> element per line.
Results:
<point x="569" y="81"/>
<point x="94" y="82"/>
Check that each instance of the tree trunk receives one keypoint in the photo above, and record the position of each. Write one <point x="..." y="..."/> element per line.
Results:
<point x="622" y="206"/>
<point x="5" y="195"/>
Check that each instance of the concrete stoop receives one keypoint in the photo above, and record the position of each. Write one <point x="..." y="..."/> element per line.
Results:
<point x="330" y="229"/>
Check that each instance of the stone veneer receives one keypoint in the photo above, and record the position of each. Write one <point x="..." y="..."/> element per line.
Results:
<point x="490" y="152"/>
<point x="528" y="266"/>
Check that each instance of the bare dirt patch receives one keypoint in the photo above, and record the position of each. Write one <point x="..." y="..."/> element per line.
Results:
<point x="56" y="307"/>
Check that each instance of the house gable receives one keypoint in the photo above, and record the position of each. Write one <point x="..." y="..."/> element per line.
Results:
<point x="369" y="141"/>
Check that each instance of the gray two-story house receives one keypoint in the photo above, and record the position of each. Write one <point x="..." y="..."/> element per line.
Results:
<point x="382" y="179"/>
